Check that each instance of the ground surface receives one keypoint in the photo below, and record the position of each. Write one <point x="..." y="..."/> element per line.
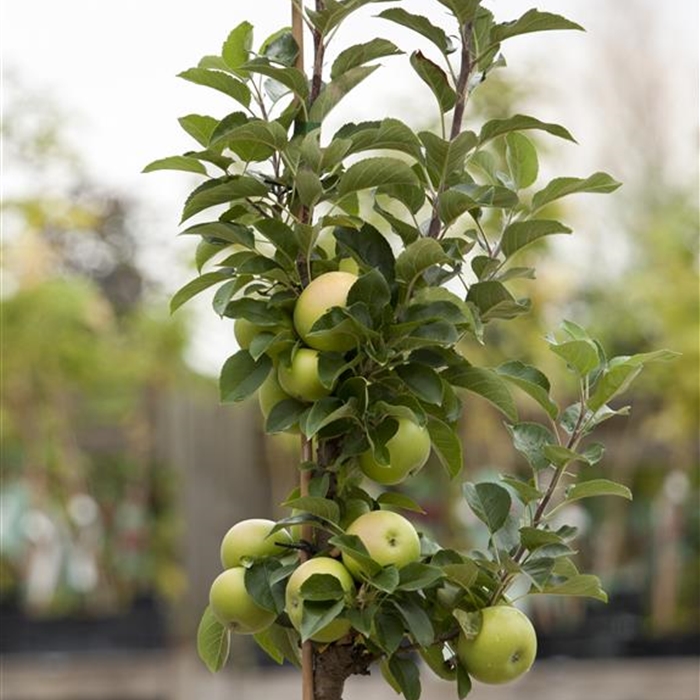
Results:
<point x="179" y="676"/>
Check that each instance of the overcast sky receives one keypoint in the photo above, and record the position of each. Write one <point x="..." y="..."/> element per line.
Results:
<point x="111" y="68"/>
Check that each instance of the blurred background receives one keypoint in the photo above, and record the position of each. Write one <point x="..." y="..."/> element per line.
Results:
<point x="120" y="471"/>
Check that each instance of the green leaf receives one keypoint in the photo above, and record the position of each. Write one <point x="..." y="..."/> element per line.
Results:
<point x="323" y="507"/>
<point x="195" y="286"/>
<point x="223" y="191"/>
<point x="434" y="77"/>
<point x="417" y="621"/>
<point x="447" y="446"/>
<point x="278" y="643"/>
<point x="256" y="140"/>
<point x="362" y="53"/>
<point x="620" y="374"/>
<point x="186" y="163"/>
<point x="521" y="233"/>
<point x="423" y="381"/>
<point x="241" y="376"/>
<point x="334" y="12"/>
<point x="321" y="587"/>
<point x="581" y="585"/>
<point x="237" y="47"/>
<point x="281" y="47"/>
<point x="445" y="158"/>
<point x="394" y="499"/>
<point x="580" y="355"/>
<point x="213" y="641"/>
<point x="418" y="257"/>
<point x="405" y="671"/>
<point x="389" y="134"/>
<point x="421" y="25"/>
<point x="453" y="203"/>
<point x="600" y="183"/>
<point x="389" y="632"/>
<point x="463" y="574"/>
<point x="417" y="576"/>
<point x="199" y="127"/>
<point x="597" y="487"/>
<point x="532" y="21"/>
<point x="485" y="382"/>
<point x="317" y="614"/>
<point x="352" y="546"/>
<point x="520" y="122"/>
<point x="373" y="172"/>
<point x="291" y="78"/>
<point x="334" y="91"/>
<point x="524" y="490"/>
<point x="219" y="81"/>
<point x="530" y="439"/>
<point x="494" y="301"/>
<point x="463" y="10"/>
<point x="324" y="412"/>
<point x="489" y="502"/>
<point x="266" y="591"/>
<point x="371" y="289"/>
<point x="285" y="415"/>
<point x="386" y="580"/>
<point x="522" y="160"/>
<point x="530" y="380"/>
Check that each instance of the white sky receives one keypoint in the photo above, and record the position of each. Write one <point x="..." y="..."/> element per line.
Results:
<point x="111" y="67"/>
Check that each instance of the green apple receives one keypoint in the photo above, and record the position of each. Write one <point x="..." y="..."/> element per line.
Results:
<point x="409" y="449"/>
<point x="270" y="394"/>
<point x="349" y="265"/>
<point x="389" y="538"/>
<point x="249" y="540"/>
<point x="294" y="604"/>
<point x="300" y="379"/>
<point x="323" y="293"/>
<point x="504" y="648"/>
<point x="234" y="606"/>
<point x="245" y="332"/>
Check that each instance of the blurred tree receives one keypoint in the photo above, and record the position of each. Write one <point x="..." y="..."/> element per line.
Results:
<point x="88" y="517"/>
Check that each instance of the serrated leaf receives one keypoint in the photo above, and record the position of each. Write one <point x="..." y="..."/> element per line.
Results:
<point x="530" y="439"/>
<point x="600" y="183"/>
<point x="445" y="158"/>
<point x="530" y="380"/>
<point x="582" y="585"/>
<point x="521" y="233"/>
<point x="324" y="412"/>
<point x="186" y="163"/>
<point x="489" y="502"/>
<point x="195" y="286"/>
<point x="522" y="160"/>
<point x="418" y="257"/>
<point x="389" y="134"/>
<point x="386" y="580"/>
<point x="373" y="172"/>
<point x="200" y="127"/>
<point x="447" y="446"/>
<point x="520" y="122"/>
<point x="322" y="587"/>
<point x="463" y="10"/>
<point x="532" y="21"/>
<point x="485" y="382"/>
<point x="393" y="499"/>
<point x="213" y="641"/>
<point x="524" y="490"/>
<point x="597" y="487"/>
<point x="237" y="46"/>
<point x="219" y="81"/>
<point x="405" y="671"/>
<point x="580" y="355"/>
<point x="417" y="621"/>
<point x="292" y="78"/>
<point x="370" y="247"/>
<point x="323" y="507"/>
<point x="494" y="301"/>
<point x="417" y="576"/>
<point x="436" y="79"/>
<point x="277" y="642"/>
<point x="423" y="381"/>
<point x="334" y="91"/>
<point x="317" y="614"/>
<point x="241" y="376"/>
<point x="421" y="25"/>
<point x="362" y="53"/>
<point x="215" y="192"/>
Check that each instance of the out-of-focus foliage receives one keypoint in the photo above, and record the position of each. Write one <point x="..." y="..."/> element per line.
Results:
<point x="88" y="518"/>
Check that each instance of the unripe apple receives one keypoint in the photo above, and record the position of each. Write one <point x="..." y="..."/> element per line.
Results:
<point x="245" y="332"/>
<point x="409" y="449"/>
<point x="504" y="648"/>
<point x="323" y="293"/>
<point x="294" y="604"/>
<point x="234" y="606"/>
<point x="249" y="540"/>
<point x="300" y="379"/>
<point x="270" y="394"/>
<point x="388" y="537"/>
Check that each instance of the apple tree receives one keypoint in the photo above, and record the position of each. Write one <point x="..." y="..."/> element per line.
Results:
<point x="358" y="268"/>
